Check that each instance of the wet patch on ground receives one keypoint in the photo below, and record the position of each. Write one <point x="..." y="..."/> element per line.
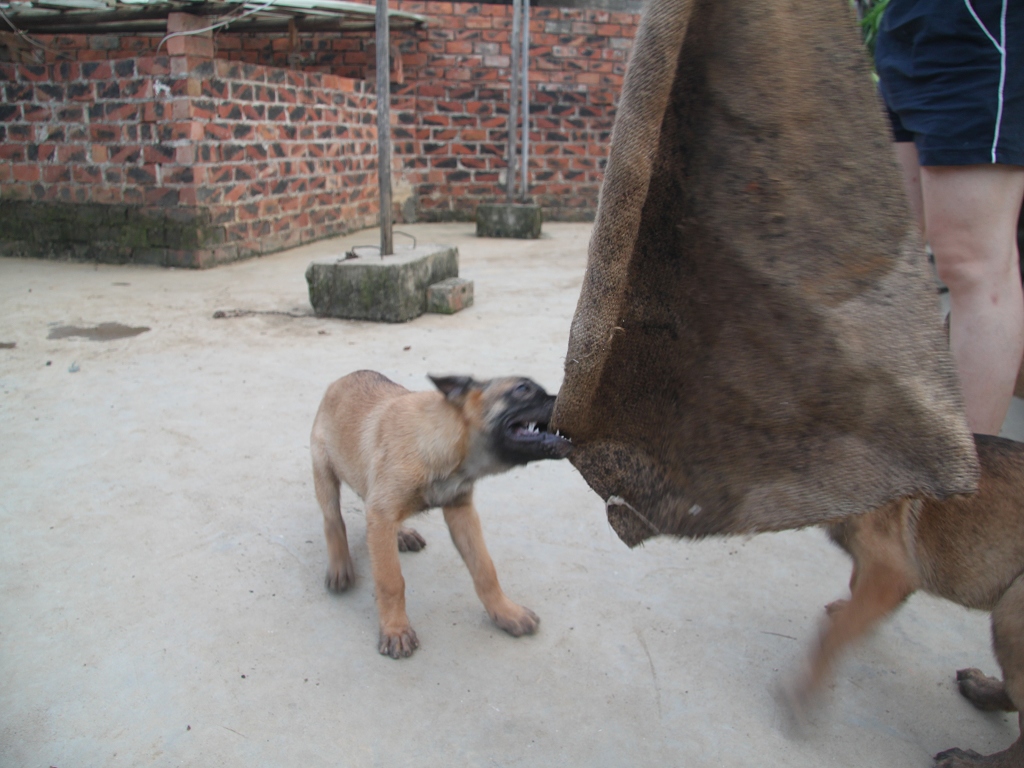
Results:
<point x="101" y="332"/>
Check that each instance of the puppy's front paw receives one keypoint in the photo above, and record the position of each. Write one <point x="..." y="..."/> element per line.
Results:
<point x="340" y="577"/>
<point x="517" y="620"/>
<point x="410" y="541"/>
<point x="398" y="645"/>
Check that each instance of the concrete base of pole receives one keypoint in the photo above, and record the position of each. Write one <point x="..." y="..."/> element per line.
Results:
<point x="392" y="289"/>
<point x="509" y="220"/>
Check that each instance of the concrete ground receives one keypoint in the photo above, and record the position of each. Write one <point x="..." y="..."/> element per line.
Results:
<point x="162" y="557"/>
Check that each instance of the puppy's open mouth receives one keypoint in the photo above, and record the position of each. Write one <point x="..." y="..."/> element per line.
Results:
<point x="526" y="430"/>
<point x="535" y="435"/>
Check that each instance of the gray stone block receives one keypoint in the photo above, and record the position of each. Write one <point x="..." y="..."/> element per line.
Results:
<point x="449" y="296"/>
<point x="520" y="221"/>
<point x="392" y="289"/>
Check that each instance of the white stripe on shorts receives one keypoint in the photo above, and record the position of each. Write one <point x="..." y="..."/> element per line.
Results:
<point x="1000" y="46"/>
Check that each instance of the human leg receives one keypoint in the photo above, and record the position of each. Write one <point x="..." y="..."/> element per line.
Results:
<point x="970" y="215"/>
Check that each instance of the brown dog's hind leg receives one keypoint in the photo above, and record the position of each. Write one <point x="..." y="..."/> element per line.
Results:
<point x="1008" y="643"/>
<point x="464" y="527"/>
<point x="397" y="638"/>
<point x="340" y="571"/>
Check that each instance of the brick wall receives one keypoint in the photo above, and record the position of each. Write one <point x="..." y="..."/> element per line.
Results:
<point x="451" y="111"/>
<point x="268" y="146"/>
<point x="200" y="161"/>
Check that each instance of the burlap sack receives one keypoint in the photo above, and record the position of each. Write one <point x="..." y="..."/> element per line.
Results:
<point x="757" y="344"/>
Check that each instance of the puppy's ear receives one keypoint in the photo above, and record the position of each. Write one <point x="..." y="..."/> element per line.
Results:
<point x="454" y="388"/>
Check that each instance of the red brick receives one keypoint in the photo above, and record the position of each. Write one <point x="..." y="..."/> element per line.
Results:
<point x="86" y="174"/>
<point x="26" y="172"/>
<point x="158" y="153"/>
<point x="54" y="173"/>
<point x="120" y="155"/>
<point x="71" y="153"/>
<point x="107" y="195"/>
<point x="219" y="131"/>
<point x="97" y="70"/>
<point x="99" y="132"/>
<point x="161" y="197"/>
<point x="34" y="113"/>
<point x="235" y="193"/>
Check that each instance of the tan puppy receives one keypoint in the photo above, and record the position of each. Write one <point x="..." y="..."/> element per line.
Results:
<point x="968" y="549"/>
<point x="405" y="452"/>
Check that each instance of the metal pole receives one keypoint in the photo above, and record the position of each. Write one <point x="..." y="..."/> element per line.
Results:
<point x="384" y="127"/>
<point x="513" y="102"/>
<point x="524" y="187"/>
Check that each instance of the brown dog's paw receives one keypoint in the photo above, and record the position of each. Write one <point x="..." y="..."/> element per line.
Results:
<point x="410" y="541"/>
<point x="517" y="621"/>
<point x="339" y="579"/>
<point x="984" y="692"/>
<point x="398" y="645"/>
<point x="958" y="758"/>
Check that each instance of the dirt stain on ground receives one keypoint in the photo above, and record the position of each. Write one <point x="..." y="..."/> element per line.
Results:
<point x="101" y="332"/>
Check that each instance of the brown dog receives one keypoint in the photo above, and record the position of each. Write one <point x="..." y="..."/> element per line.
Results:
<point x="405" y="452"/>
<point x="968" y="549"/>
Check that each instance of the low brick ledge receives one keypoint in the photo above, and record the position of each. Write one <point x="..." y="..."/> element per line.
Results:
<point x="112" y="233"/>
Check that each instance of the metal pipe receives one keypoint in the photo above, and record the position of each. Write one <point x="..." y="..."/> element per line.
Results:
<point x="384" y="127"/>
<point x="513" y="102"/>
<point x="524" y="188"/>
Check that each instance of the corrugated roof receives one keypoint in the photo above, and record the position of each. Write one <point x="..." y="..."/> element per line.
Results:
<point x="140" y="16"/>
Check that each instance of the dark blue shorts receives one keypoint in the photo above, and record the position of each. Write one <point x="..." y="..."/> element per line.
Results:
<point x="951" y="73"/>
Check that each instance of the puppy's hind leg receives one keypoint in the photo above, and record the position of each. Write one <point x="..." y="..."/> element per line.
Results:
<point x="464" y="527"/>
<point x="340" y="571"/>
<point x="989" y="694"/>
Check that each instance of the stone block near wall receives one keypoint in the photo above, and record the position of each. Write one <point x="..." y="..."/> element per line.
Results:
<point x="390" y="289"/>
<point x="450" y="296"/>
<point x="510" y="220"/>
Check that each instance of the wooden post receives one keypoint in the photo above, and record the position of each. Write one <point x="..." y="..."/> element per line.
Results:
<point x="384" y="127"/>
<point x="524" y="187"/>
<point x="513" y="102"/>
